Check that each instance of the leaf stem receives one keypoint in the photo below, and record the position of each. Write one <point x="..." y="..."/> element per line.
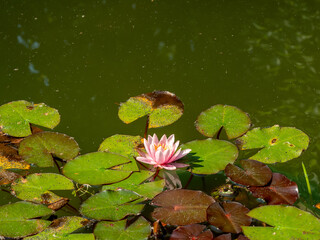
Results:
<point x="156" y="174"/>
<point x="307" y="178"/>
<point x="189" y="181"/>
<point x="219" y="132"/>
<point x="146" y="128"/>
<point x="57" y="165"/>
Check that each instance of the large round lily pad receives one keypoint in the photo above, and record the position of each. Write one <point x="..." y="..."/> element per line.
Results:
<point x="15" y="117"/>
<point x="210" y="156"/>
<point x="163" y="108"/>
<point x="99" y="168"/>
<point x="41" y="147"/>
<point x="16" y="219"/>
<point x="286" y="223"/>
<point x="278" y="144"/>
<point x="234" y="121"/>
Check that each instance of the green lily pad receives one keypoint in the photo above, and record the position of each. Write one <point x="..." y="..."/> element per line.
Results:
<point x="121" y="144"/>
<point x="136" y="183"/>
<point x="16" y="219"/>
<point x="286" y="222"/>
<point x="36" y="187"/>
<point x="162" y="107"/>
<point x="140" y="229"/>
<point x="277" y="144"/>
<point x="210" y="156"/>
<point x="62" y="228"/>
<point x="112" y="205"/>
<point x="234" y="121"/>
<point x="39" y="148"/>
<point x="15" y="117"/>
<point x="99" y="168"/>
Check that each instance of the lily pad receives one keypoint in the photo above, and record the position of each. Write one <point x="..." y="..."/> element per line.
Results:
<point x="181" y="206"/>
<point x="229" y="216"/>
<point x="112" y="205"/>
<point x="41" y="147"/>
<point x="17" y="219"/>
<point x="121" y="144"/>
<point x="140" y="229"/>
<point x="36" y="187"/>
<point x="15" y="117"/>
<point x="138" y="184"/>
<point x="234" y="121"/>
<point x="193" y="231"/>
<point x="277" y="144"/>
<point x="62" y="228"/>
<point x="281" y="191"/>
<point x="210" y="156"/>
<point x="99" y="168"/>
<point x="162" y="107"/>
<point x="286" y="222"/>
<point x="254" y="173"/>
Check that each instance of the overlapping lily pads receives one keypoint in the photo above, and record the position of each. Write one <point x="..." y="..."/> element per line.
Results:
<point x="15" y="117"/>
<point x="234" y="121"/>
<point x="162" y="107"/>
<point x="193" y="231"/>
<point x="278" y="144"/>
<point x="286" y="223"/>
<point x="17" y="219"/>
<point x="41" y="147"/>
<point x="210" y="156"/>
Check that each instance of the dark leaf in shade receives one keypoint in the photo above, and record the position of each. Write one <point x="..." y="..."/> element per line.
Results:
<point x="181" y="206"/>
<point x="242" y="237"/>
<point x="254" y="173"/>
<point x="224" y="237"/>
<point x="229" y="216"/>
<point x="193" y="231"/>
<point x="281" y="191"/>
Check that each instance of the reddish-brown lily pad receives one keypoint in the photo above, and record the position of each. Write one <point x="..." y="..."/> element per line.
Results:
<point x="181" y="206"/>
<point x="281" y="191"/>
<point x="254" y="173"/>
<point x="193" y="231"/>
<point x="224" y="237"/>
<point x="229" y="216"/>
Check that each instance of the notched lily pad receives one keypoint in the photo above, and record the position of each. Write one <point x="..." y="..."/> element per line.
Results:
<point x="286" y="223"/>
<point x="234" y="121"/>
<point x="163" y="108"/>
<point x="210" y="156"/>
<point x="99" y="168"/>
<point x="193" y="231"/>
<point x="278" y="144"/>
<point x="15" y="117"/>
<point x="181" y="206"/>
<point x="112" y="205"/>
<point x="281" y="191"/>
<point x="17" y="221"/>
<point x="41" y="147"/>
<point x="254" y="173"/>
<point x="229" y="216"/>
<point x="36" y="187"/>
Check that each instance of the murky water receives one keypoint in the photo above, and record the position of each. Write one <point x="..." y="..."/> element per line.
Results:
<point x="83" y="58"/>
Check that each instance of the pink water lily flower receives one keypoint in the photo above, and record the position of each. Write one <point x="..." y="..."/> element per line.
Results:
<point x="163" y="153"/>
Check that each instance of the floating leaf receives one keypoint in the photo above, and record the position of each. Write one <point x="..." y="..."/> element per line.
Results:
<point x="16" y="219"/>
<point x="39" y="148"/>
<point x="278" y="144"/>
<point x="224" y="237"/>
<point x="112" y="205"/>
<point x="163" y="108"/>
<point x="229" y="216"/>
<point x="254" y="173"/>
<point x="193" y="231"/>
<point x="286" y="223"/>
<point x="99" y="168"/>
<point x="140" y="229"/>
<point x="281" y="191"/>
<point x="36" y="187"/>
<point x="232" y="119"/>
<point x="121" y="144"/>
<point x="7" y="177"/>
<point x="181" y="206"/>
<point x="210" y="156"/>
<point x="15" y="117"/>
<point x="136" y="183"/>
<point x="62" y="228"/>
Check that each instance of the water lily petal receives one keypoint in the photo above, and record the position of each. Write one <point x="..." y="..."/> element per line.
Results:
<point x="175" y="146"/>
<point x="171" y="140"/>
<point x="147" y="145"/>
<point x="145" y="160"/>
<point x="166" y="155"/>
<point x="163" y="140"/>
<point x="182" y="154"/>
<point x="180" y="165"/>
<point x="159" y="158"/>
<point x="168" y="167"/>
<point x="155" y="140"/>
<point x="174" y="157"/>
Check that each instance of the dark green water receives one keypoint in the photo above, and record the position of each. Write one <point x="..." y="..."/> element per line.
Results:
<point x="84" y="57"/>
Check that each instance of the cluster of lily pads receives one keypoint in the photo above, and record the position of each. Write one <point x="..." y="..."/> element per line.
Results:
<point x="137" y="187"/>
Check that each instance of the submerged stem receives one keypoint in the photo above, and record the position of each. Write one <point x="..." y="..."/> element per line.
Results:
<point x="189" y="181"/>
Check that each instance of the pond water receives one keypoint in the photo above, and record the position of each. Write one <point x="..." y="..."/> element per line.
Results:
<point x="84" y="58"/>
